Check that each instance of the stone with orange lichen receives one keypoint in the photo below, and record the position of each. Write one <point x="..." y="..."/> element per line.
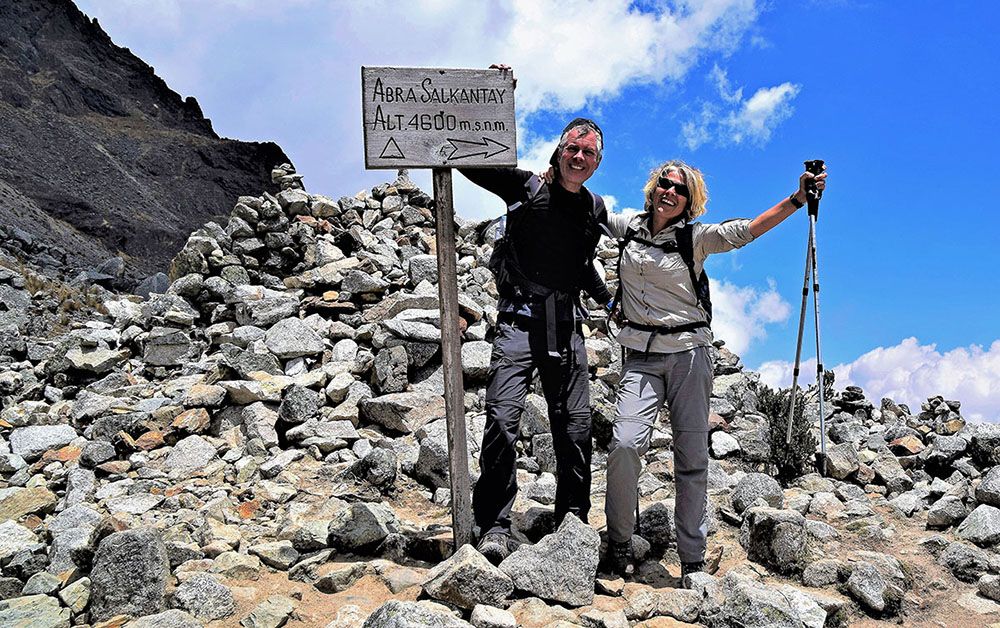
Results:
<point x="149" y="441"/>
<point x="115" y="466"/>
<point x="68" y="453"/>
<point x="195" y="420"/>
<point x="247" y="510"/>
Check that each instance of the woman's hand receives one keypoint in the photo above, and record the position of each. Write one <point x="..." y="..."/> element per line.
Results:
<point x="548" y="176"/>
<point x="804" y="182"/>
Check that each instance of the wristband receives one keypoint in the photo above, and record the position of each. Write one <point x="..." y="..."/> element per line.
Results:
<point x="796" y="203"/>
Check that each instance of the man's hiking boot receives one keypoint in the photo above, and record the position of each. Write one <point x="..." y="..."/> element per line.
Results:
<point x="495" y="547"/>
<point x="617" y="558"/>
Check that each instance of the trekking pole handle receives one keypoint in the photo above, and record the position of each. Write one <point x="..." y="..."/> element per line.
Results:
<point x="813" y="194"/>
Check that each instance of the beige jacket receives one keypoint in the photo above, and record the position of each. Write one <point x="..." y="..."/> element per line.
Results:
<point x="657" y="287"/>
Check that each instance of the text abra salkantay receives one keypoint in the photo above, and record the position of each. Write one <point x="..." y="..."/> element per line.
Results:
<point x="429" y="94"/>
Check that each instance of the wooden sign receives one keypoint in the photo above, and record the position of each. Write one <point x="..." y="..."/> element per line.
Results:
<point x="438" y="118"/>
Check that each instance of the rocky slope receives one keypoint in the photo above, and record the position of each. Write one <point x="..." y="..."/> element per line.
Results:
<point x="98" y="157"/>
<point x="263" y="444"/>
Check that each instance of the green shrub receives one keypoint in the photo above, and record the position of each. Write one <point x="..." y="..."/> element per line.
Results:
<point x="788" y="461"/>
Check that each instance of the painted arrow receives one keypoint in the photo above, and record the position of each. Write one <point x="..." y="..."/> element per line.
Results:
<point x="474" y="149"/>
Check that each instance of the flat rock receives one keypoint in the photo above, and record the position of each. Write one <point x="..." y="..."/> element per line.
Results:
<point x="205" y="598"/>
<point x="291" y="338"/>
<point x="204" y="395"/>
<point x="33" y="441"/>
<point x="33" y="611"/>
<point x="237" y="565"/>
<point x="133" y="504"/>
<point x="491" y="617"/>
<point x="190" y="454"/>
<point x="18" y="502"/>
<point x="403" y="412"/>
<point x="97" y="360"/>
<point x="277" y="554"/>
<point x="271" y="613"/>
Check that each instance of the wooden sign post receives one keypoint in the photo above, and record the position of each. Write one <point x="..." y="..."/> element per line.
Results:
<point x="442" y="118"/>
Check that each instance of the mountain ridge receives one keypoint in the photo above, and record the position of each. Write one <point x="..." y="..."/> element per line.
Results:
<point x="98" y="156"/>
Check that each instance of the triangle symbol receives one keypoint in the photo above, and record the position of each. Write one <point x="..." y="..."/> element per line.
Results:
<point x="391" y="150"/>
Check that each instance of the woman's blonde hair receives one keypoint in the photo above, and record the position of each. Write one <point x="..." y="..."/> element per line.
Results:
<point x="692" y="178"/>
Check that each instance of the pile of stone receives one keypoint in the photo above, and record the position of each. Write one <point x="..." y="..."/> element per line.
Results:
<point x="275" y="412"/>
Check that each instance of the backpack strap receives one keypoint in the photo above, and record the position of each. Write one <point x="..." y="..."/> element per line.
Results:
<point x="622" y="244"/>
<point x="531" y="188"/>
<point x="683" y="245"/>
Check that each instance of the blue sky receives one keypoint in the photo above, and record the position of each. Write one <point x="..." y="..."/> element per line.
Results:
<point x="900" y="99"/>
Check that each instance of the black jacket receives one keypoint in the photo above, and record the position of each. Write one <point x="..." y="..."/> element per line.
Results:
<point x="556" y="239"/>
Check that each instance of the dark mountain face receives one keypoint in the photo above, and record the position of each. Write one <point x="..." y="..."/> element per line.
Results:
<point x="97" y="155"/>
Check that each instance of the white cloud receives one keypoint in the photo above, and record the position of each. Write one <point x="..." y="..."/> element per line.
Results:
<point x="910" y="373"/>
<point x="570" y="52"/>
<point x="740" y="313"/>
<point x="739" y="120"/>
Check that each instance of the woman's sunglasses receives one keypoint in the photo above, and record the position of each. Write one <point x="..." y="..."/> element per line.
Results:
<point x="679" y="188"/>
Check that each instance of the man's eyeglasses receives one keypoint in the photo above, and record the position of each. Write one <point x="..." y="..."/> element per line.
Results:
<point x="679" y="188"/>
<point x="573" y="149"/>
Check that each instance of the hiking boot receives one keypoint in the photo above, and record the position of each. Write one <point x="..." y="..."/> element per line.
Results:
<point x="618" y="558"/>
<point x="495" y="547"/>
<point x="701" y="566"/>
<point x="689" y="568"/>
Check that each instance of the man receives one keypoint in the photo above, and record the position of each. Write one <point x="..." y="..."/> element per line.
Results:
<point x="551" y="237"/>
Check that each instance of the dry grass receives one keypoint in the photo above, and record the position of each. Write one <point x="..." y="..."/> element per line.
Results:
<point x="69" y="299"/>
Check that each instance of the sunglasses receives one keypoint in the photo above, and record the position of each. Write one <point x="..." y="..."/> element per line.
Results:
<point x="679" y="188"/>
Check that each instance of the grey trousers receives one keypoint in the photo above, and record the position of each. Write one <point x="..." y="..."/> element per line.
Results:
<point x="519" y="349"/>
<point x="684" y="381"/>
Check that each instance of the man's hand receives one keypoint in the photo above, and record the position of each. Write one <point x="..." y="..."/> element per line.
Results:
<point x="503" y="67"/>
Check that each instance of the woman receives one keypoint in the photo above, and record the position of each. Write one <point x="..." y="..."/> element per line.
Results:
<point x="664" y="300"/>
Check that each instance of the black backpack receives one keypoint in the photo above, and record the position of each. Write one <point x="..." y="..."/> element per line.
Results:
<point x="684" y="245"/>
<point x="503" y="261"/>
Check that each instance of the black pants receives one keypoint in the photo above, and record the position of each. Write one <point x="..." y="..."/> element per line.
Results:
<point x="519" y="349"/>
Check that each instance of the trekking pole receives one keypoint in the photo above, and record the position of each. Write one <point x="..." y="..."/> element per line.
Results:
<point x="816" y="167"/>
<point x="813" y="196"/>
<point x="798" y="342"/>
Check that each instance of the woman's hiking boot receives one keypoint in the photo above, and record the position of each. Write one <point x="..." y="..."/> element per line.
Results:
<point x="617" y="558"/>
<point x="701" y="566"/>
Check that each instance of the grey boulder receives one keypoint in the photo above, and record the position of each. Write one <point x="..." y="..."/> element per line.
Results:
<point x="754" y="486"/>
<point x="467" y="579"/>
<point x="396" y="614"/>
<point x="130" y="575"/>
<point x="561" y="567"/>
